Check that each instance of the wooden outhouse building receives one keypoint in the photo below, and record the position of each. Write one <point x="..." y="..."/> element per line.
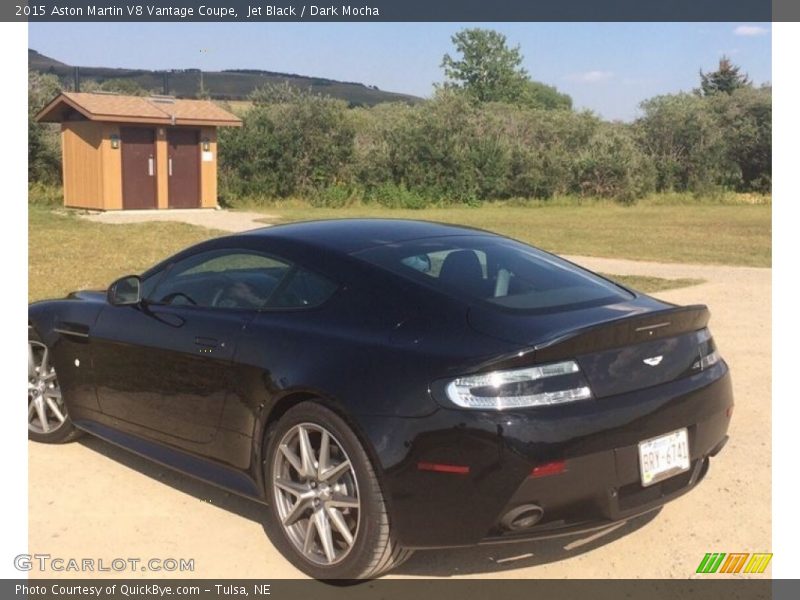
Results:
<point x="137" y="152"/>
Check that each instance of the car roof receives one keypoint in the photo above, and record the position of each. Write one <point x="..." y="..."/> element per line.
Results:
<point x="353" y="235"/>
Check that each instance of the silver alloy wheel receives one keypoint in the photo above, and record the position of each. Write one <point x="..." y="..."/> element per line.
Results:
<point x="316" y="494"/>
<point x="46" y="411"/>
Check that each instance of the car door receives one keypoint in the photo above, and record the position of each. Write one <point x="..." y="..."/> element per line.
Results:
<point x="165" y="365"/>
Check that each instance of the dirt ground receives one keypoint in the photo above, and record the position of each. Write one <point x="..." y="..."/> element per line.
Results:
<point x="90" y="499"/>
<point x="224" y="220"/>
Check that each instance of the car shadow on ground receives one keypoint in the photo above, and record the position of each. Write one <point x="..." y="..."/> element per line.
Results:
<point x="495" y="558"/>
<point x="205" y="492"/>
<point x="452" y="562"/>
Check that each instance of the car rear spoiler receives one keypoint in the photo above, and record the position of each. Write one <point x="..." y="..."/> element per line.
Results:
<point x="624" y="332"/>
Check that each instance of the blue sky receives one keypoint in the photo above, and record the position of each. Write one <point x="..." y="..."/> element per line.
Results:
<point x="606" y="67"/>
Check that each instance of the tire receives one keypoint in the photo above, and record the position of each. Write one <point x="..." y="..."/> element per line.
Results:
<point x="48" y="419"/>
<point x="373" y="549"/>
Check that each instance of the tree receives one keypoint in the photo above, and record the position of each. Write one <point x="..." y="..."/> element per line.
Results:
<point x="611" y="165"/>
<point x="44" y="153"/>
<point x="291" y="142"/>
<point x="488" y="69"/>
<point x="686" y="142"/>
<point x="745" y="118"/>
<point x="540" y="95"/>
<point x="128" y="87"/>
<point x="726" y="78"/>
<point x="274" y="93"/>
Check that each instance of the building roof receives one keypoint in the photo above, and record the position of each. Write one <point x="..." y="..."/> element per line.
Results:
<point x="157" y="110"/>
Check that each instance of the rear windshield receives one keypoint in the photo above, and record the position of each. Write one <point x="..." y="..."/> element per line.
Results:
<point x="496" y="270"/>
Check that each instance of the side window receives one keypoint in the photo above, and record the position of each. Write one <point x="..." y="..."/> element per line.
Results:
<point x="237" y="279"/>
<point x="149" y="284"/>
<point x="304" y="289"/>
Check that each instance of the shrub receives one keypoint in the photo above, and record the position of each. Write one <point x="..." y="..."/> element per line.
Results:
<point x="295" y="146"/>
<point x="612" y="166"/>
<point x="42" y="194"/>
<point x="44" y="141"/>
<point x="396" y="196"/>
<point x="335" y="196"/>
<point x="453" y="149"/>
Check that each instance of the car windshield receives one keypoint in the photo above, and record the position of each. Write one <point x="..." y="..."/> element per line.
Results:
<point x="496" y="270"/>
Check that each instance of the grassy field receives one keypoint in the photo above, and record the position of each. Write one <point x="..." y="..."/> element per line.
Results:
<point x="704" y="233"/>
<point x="66" y="253"/>
<point x="652" y="285"/>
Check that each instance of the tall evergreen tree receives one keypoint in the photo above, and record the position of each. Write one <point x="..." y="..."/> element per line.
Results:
<point x="727" y="78"/>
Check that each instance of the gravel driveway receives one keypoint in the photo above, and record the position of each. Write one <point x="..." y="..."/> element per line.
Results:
<point x="224" y="220"/>
<point x="90" y="499"/>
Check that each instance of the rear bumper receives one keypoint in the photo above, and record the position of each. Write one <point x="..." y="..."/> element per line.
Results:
<point x="572" y="505"/>
<point x="598" y="439"/>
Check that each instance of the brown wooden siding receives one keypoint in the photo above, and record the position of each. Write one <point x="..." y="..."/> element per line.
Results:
<point x="83" y="166"/>
<point x="162" y="165"/>
<point x="208" y="169"/>
<point x="93" y="169"/>
<point x="112" y="168"/>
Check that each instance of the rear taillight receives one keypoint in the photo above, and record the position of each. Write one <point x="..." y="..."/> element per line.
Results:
<point x="543" y="385"/>
<point x="551" y="468"/>
<point x="707" y="351"/>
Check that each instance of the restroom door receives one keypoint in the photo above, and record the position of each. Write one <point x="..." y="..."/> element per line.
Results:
<point x="183" y="168"/>
<point x="138" y="167"/>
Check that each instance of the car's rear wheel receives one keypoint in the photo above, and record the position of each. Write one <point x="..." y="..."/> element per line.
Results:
<point x="48" y="420"/>
<point x="329" y="515"/>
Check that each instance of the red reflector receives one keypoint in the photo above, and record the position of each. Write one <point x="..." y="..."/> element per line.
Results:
<point x="440" y="468"/>
<point x="551" y="468"/>
<point x="729" y="412"/>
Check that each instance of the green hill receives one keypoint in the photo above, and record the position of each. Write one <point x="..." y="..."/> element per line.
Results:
<point x="233" y="84"/>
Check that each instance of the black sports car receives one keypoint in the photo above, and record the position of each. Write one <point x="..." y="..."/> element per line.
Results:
<point x="387" y="385"/>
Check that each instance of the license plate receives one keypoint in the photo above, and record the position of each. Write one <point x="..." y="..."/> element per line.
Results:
<point x="664" y="456"/>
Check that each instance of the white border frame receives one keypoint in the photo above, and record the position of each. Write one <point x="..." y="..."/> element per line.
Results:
<point x="785" y="253"/>
<point x="13" y="302"/>
<point x="786" y="249"/>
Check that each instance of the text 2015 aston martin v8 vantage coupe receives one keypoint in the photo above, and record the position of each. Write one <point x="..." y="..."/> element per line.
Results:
<point x="387" y="385"/>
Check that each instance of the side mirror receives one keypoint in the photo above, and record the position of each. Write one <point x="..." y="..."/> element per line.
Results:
<point x="125" y="291"/>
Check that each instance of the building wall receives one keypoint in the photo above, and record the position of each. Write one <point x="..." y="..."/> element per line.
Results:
<point x="162" y="168"/>
<point x="93" y="169"/>
<point x="82" y="164"/>
<point x="208" y="168"/>
<point x="112" y="168"/>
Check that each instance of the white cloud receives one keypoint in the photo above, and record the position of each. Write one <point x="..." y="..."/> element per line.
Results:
<point x="590" y="76"/>
<point x="750" y="30"/>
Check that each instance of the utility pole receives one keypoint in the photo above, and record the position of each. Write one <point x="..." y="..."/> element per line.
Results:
<point x="202" y="92"/>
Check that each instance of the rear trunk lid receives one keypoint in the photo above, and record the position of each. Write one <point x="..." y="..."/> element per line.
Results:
<point x="620" y="348"/>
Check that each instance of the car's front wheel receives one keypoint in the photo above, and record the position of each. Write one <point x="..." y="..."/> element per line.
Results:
<point x="48" y="420"/>
<point x="329" y="515"/>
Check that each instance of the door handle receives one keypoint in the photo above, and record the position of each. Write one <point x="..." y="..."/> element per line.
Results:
<point x="169" y="165"/>
<point x="150" y="166"/>
<point x="207" y="342"/>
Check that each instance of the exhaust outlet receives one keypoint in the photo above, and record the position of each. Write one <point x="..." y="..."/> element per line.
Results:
<point x="522" y="517"/>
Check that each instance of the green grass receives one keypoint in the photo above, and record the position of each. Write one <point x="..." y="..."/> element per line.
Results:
<point x="652" y="285"/>
<point x="704" y="233"/>
<point x="66" y="253"/>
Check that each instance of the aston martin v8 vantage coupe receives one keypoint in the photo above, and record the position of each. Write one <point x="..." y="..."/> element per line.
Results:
<point x="385" y="385"/>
